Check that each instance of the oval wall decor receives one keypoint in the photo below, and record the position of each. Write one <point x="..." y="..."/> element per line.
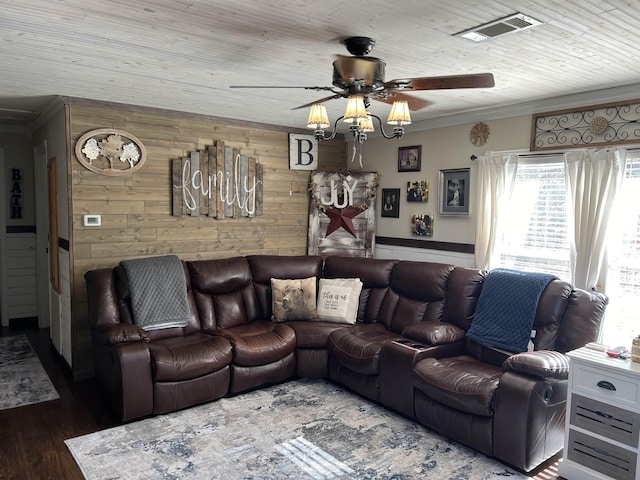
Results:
<point x="110" y="151"/>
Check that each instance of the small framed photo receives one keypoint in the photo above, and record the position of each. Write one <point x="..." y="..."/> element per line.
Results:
<point x="454" y="192"/>
<point x="422" y="225"/>
<point x="418" y="191"/>
<point x="391" y="202"/>
<point x="409" y="158"/>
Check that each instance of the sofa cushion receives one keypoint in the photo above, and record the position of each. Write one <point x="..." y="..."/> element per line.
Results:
<point x="260" y="342"/>
<point x="358" y="348"/>
<point x="266" y="267"/>
<point x="223" y="293"/>
<point x="294" y="299"/>
<point x="184" y="358"/>
<point x="462" y="383"/>
<point x="374" y="274"/>
<point x="338" y="299"/>
<point x="314" y="334"/>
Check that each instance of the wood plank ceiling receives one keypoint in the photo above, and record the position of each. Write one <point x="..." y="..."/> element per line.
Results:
<point x="184" y="54"/>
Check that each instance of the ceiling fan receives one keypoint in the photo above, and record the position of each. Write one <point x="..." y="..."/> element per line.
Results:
<point x="363" y="75"/>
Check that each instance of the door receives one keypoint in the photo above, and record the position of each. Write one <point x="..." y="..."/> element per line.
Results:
<point x="4" y="309"/>
<point x="42" y="234"/>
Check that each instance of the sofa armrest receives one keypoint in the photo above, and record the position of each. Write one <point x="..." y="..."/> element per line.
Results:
<point x="528" y="419"/>
<point x="118" y="333"/>
<point x="125" y="374"/>
<point x="434" y="333"/>
<point x="543" y="364"/>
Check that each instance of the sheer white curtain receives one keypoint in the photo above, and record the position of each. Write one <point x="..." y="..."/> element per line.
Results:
<point x="593" y="178"/>
<point x="496" y="176"/>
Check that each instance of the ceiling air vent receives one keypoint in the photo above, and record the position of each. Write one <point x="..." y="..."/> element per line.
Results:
<point x="502" y="26"/>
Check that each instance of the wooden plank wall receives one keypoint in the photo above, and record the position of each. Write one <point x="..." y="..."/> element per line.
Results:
<point x="136" y="209"/>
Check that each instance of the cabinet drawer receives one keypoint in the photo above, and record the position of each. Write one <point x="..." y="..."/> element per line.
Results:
<point x="619" y="389"/>
<point x="606" y="420"/>
<point x="603" y="457"/>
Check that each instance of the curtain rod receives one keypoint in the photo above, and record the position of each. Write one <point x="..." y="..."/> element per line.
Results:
<point x="473" y="158"/>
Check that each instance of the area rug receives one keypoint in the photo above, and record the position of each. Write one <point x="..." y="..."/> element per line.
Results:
<point x="303" y="429"/>
<point x="23" y="380"/>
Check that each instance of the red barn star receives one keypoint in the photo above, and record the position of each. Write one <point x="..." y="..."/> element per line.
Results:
<point x="342" y="218"/>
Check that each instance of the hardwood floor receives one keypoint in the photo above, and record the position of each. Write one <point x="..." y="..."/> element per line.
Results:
<point x="32" y="437"/>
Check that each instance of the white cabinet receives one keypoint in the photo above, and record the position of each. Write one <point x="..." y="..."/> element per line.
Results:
<point x="603" y="418"/>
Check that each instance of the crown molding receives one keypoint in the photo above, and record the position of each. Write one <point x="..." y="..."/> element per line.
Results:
<point x="576" y="100"/>
<point x="52" y="108"/>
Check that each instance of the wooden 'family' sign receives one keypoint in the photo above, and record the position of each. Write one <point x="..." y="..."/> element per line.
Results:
<point x="217" y="182"/>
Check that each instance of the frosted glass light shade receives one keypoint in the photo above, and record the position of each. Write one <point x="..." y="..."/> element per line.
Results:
<point x="318" y="118"/>
<point x="399" y="114"/>
<point x="355" y="110"/>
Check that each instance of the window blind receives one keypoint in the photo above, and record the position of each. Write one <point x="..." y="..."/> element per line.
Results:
<point x="534" y="238"/>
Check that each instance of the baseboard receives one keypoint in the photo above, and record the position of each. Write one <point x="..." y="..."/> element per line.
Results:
<point x="26" y="323"/>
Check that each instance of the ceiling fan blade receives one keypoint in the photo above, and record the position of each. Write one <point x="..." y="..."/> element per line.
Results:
<point x="358" y="68"/>
<point x="478" y="80"/>
<point x="414" y="103"/>
<point x="322" y="100"/>
<point x="318" y="89"/>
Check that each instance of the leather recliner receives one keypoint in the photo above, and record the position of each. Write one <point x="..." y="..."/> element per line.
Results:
<point x="510" y="406"/>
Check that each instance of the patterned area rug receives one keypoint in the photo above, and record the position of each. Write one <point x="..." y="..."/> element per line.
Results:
<point x="303" y="429"/>
<point x="23" y="380"/>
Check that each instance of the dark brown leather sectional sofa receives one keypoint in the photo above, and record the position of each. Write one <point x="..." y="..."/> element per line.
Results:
<point x="407" y="350"/>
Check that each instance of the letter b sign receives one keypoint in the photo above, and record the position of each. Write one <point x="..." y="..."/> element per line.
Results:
<point x="303" y="152"/>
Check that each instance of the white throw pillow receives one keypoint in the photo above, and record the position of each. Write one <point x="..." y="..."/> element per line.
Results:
<point x="338" y="299"/>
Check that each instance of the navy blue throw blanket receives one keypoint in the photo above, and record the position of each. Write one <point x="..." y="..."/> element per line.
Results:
<point x="506" y="309"/>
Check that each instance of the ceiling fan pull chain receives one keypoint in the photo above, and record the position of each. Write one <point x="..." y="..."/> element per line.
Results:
<point x="353" y="156"/>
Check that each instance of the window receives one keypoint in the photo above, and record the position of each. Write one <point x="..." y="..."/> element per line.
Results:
<point x="535" y="233"/>
<point x="623" y="254"/>
<point x="536" y="238"/>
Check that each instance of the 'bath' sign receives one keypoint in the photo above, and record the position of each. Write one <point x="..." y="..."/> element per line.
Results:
<point x="218" y="182"/>
<point x="16" y="193"/>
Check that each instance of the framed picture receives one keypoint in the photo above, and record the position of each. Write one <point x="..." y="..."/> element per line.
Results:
<point x="391" y="202"/>
<point x="422" y="225"/>
<point x="409" y="158"/>
<point x="454" y="192"/>
<point x="418" y="191"/>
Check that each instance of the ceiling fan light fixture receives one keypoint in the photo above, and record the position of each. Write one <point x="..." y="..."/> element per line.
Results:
<point x="318" y="118"/>
<point x="355" y="111"/>
<point x="399" y="114"/>
<point x="366" y="125"/>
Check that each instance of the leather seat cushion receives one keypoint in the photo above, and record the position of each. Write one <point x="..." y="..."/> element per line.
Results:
<point x="460" y="382"/>
<point x="260" y="342"/>
<point x="358" y="348"/>
<point x="184" y="358"/>
<point x="314" y="334"/>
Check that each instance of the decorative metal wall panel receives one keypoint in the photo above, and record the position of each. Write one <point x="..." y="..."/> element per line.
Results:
<point x="607" y="124"/>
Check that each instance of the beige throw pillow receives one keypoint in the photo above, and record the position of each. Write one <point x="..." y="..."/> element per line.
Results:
<point x="293" y="299"/>
<point x="338" y="299"/>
